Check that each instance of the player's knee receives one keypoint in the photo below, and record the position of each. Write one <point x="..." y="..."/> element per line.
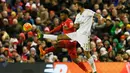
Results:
<point x="77" y="60"/>
<point x="60" y="37"/>
<point x="63" y="37"/>
<point x="87" y="54"/>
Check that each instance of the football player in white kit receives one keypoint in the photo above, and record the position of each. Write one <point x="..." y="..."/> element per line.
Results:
<point x="83" y="21"/>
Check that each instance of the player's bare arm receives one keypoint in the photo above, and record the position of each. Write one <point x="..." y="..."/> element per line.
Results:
<point x="76" y="25"/>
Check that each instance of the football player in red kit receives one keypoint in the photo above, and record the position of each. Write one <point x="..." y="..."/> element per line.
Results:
<point x="66" y="26"/>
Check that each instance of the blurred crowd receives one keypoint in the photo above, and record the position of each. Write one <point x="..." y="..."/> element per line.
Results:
<point x="110" y="38"/>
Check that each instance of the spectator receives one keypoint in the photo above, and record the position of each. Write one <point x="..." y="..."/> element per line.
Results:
<point x="73" y="13"/>
<point x="5" y="25"/>
<point x="128" y="28"/>
<point x="99" y="26"/>
<point x="5" y="14"/>
<point x="105" y="14"/>
<point x="65" y="59"/>
<point x="2" y="58"/>
<point x="15" y="28"/>
<point x="108" y="26"/>
<point x="12" y="17"/>
<point x="108" y="46"/>
<point x="20" y="17"/>
<point x="33" y="54"/>
<point x="4" y="36"/>
<point x="122" y="40"/>
<point x="119" y="58"/>
<point x="39" y="24"/>
<point x="117" y="28"/>
<point x="33" y="12"/>
<point x="99" y="45"/>
<point x="47" y="4"/>
<point x="25" y="53"/>
<point x="128" y="44"/>
<point x="93" y="47"/>
<point x="80" y="51"/>
<point x="27" y="18"/>
<point x="43" y="14"/>
<point x="114" y="14"/>
<point x="18" y="59"/>
<point x="125" y="57"/>
<point x="56" y="22"/>
<point x="55" y="7"/>
<point x="105" y="6"/>
<point x="96" y="7"/>
<point x="52" y="15"/>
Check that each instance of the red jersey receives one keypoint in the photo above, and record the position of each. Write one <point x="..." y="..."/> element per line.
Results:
<point x="67" y="27"/>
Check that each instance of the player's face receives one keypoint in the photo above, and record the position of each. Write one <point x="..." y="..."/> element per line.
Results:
<point x="62" y="16"/>
<point x="78" y="7"/>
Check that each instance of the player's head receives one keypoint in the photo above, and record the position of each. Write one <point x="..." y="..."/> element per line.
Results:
<point x="80" y="5"/>
<point x="64" y="15"/>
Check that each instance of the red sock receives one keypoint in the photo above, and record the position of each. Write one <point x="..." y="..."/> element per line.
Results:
<point x="50" y="49"/>
<point x="82" y="66"/>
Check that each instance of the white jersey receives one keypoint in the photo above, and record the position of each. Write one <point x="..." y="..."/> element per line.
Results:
<point x="82" y="34"/>
<point x="85" y="21"/>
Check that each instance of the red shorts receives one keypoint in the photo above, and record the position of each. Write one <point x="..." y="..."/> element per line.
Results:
<point x="70" y="46"/>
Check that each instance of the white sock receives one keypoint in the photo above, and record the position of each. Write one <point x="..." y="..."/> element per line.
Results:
<point x="50" y="36"/>
<point x="91" y="62"/>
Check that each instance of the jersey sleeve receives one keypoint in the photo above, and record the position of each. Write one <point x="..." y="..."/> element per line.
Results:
<point x="58" y="28"/>
<point x="70" y="24"/>
<point x="79" y="19"/>
<point x="76" y="19"/>
<point x="90" y="13"/>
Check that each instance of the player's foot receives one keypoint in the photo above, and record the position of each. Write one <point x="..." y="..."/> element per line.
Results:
<point x="91" y="72"/>
<point x="42" y="52"/>
<point x="40" y="35"/>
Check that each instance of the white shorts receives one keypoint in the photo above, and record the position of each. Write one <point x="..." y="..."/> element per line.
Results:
<point x="83" y="40"/>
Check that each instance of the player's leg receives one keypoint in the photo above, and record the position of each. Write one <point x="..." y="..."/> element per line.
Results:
<point x="90" y="60"/>
<point x="75" y="59"/>
<point x="56" y="37"/>
<point x="71" y="46"/>
<point x="60" y="44"/>
<point x="72" y="51"/>
<point x="80" y="64"/>
<point x="88" y="55"/>
<point x="47" y="50"/>
<point x="84" y="42"/>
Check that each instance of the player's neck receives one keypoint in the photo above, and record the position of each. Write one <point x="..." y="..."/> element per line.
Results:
<point x="65" y="19"/>
<point x="82" y="10"/>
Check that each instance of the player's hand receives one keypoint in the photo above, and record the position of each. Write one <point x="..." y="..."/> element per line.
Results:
<point x="76" y="26"/>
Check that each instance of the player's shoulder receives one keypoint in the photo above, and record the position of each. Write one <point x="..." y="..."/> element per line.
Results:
<point x="69" y="20"/>
<point x="89" y="10"/>
<point x="78" y="14"/>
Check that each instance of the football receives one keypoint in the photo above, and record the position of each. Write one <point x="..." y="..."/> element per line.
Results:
<point x="27" y="27"/>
